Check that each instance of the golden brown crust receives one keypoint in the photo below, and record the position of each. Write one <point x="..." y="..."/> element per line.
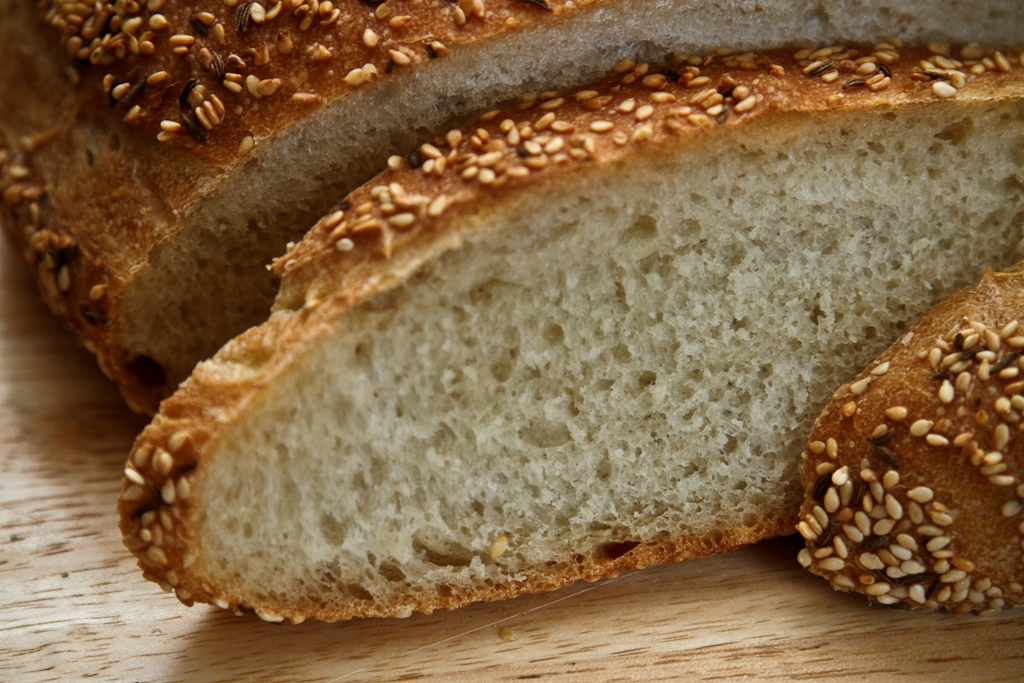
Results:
<point x="915" y="472"/>
<point x="345" y="260"/>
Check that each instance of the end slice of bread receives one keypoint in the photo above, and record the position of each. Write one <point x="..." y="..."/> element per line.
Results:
<point x="576" y="339"/>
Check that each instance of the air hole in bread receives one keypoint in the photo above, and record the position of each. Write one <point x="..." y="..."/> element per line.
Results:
<point x="147" y="371"/>
<point x="607" y="552"/>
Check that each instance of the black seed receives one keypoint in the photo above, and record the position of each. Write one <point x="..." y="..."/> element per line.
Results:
<point x="883" y="438"/>
<point x="727" y="92"/>
<point x="198" y="132"/>
<point x="887" y="455"/>
<point x="675" y="75"/>
<point x="143" y="509"/>
<point x="521" y="151"/>
<point x="183" y="97"/>
<point x="933" y="590"/>
<point x="826" y="536"/>
<point x="860" y="492"/>
<point x="932" y="75"/>
<point x="415" y="158"/>
<point x="958" y="341"/>
<point x="820" y="488"/>
<point x="875" y="543"/>
<point x="243" y="16"/>
<point x="218" y="66"/>
<point x="941" y="376"/>
<point x="972" y="352"/>
<point x="94" y="317"/>
<point x="198" y="25"/>
<point x="886" y="70"/>
<point x="343" y="205"/>
<point x="854" y="83"/>
<point x="134" y="90"/>
<point x="431" y="52"/>
<point x="822" y="69"/>
<point x="899" y="605"/>
<point x="389" y="66"/>
<point x="1009" y="358"/>
<point x="186" y="468"/>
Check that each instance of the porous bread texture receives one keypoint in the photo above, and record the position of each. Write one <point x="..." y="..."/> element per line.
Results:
<point x="209" y="283"/>
<point x="628" y="357"/>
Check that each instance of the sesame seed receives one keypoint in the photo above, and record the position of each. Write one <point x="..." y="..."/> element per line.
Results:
<point x="804" y="558"/>
<point x="883" y="526"/>
<point x="893" y="507"/>
<point x="303" y="97"/>
<point x="64" y="279"/>
<point x="1002" y="63"/>
<point x="870" y="561"/>
<point x="746" y="104"/>
<point x="344" y="244"/>
<point x="896" y="413"/>
<point x="1012" y="508"/>
<point x="1002" y="480"/>
<point x="601" y="126"/>
<point x="937" y="440"/>
<point x="860" y="386"/>
<point x="553" y="104"/>
<point x="817" y="447"/>
<point x="181" y="40"/>
<point x="943" y="89"/>
<point x="832" y="564"/>
<point x="156" y="555"/>
<point x="877" y="589"/>
<point x="158" y="22"/>
<point x="891" y="479"/>
<point x="1002" y="436"/>
<point x="832" y="448"/>
<point x="940" y="518"/>
<point x="921" y="427"/>
<point x="246" y="144"/>
<point x="841" y="476"/>
<point x="400" y="58"/>
<point x="946" y="392"/>
<point x="498" y="548"/>
<point x="136" y="478"/>
<point x="831" y="499"/>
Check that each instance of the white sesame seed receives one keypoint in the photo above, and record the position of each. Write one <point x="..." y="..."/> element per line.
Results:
<point x="912" y="567"/>
<point x="1011" y="508"/>
<point x="896" y="413"/>
<point x="158" y="22"/>
<point x="900" y="553"/>
<point x="168" y="492"/>
<point x="937" y="440"/>
<point x="943" y="89"/>
<point x="136" y="478"/>
<point x="841" y="476"/>
<point x="832" y="448"/>
<point x="746" y="104"/>
<point x="891" y="480"/>
<point x="402" y="220"/>
<point x="832" y="564"/>
<point x="156" y="555"/>
<point x="940" y="518"/>
<point x="816" y="447"/>
<point x="870" y="561"/>
<point x="883" y="526"/>
<point x="1002" y="436"/>
<point x="921" y="494"/>
<point x="831" y="499"/>
<point x="893" y="507"/>
<point x="820" y="516"/>
<point x="863" y="523"/>
<point x="853" y="533"/>
<point x="181" y="39"/>
<point x="921" y="427"/>
<point x="946" y="392"/>
<point x="824" y="468"/>
<point x="804" y="558"/>
<point x="929" y="530"/>
<point x="498" y="548"/>
<point x="1002" y="63"/>
<point x="806" y="531"/>
<point x="163" y="462"/>
<point x="879" y="588"/>
<point x="601" y="126"/>
<point x="952" y="576"/>
<point x="1002" y="480"/>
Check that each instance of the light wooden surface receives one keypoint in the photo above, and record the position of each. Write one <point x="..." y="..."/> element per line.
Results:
<point x="73" y="606"/>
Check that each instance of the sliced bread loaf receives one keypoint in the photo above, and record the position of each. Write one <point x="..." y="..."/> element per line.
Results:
<point x="159" y="154"/>
<point x="579" y="336"/>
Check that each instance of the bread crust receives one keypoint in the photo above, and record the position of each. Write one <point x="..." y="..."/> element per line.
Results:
<point x="383" y="232"/>
<point x="914" y="474"/>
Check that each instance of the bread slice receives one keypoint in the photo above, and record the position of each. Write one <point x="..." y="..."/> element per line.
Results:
<point x="163" y="152"/>
<point x="584" y="335"/>
<point x="914" y="473"/>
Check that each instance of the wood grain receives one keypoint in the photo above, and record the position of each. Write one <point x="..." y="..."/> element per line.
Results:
<point x="73" y="605"/>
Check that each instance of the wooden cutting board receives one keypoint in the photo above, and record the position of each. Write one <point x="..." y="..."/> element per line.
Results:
<point x="73" y="605"/>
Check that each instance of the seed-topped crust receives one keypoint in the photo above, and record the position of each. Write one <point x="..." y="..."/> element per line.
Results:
<point x="425" y="204"/>
<point x="640" y="106"/>
<point x="920" y="503"/>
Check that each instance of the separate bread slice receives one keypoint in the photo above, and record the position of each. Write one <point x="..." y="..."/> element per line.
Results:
<point x="159" y="154"/>
<point x="914" y="474"/>
<point x="576" y="337"/>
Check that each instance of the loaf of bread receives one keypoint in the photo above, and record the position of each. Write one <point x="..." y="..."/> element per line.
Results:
<point x="158" y="154"/>
<point x="579" y="336"/>
<point x="914" y="473"/>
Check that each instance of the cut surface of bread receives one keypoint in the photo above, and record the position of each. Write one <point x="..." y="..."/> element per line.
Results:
<point x="174" y="148"/>
<point x="914" y="474"/>
<point x="582" y="336"/>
